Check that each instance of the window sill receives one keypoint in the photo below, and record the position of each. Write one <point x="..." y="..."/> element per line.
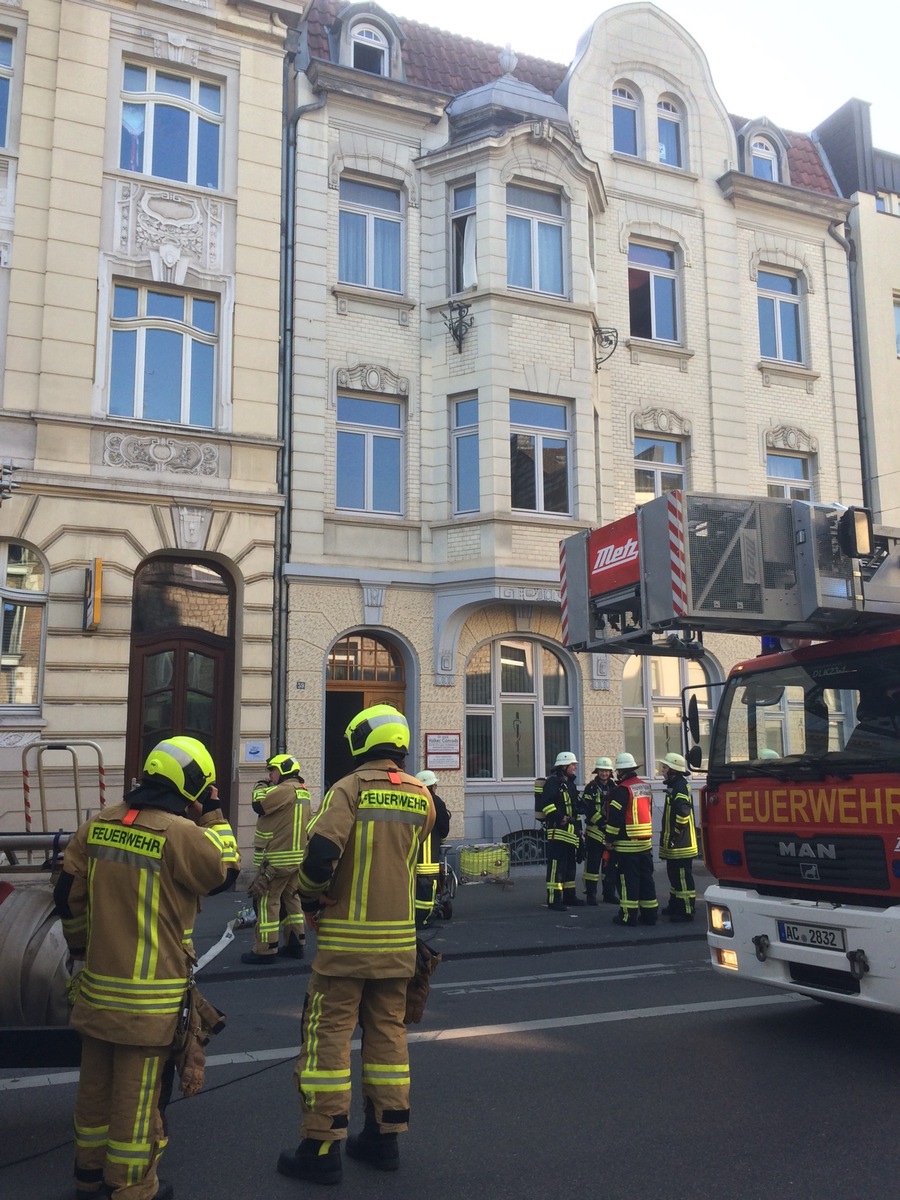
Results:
<point x="349" y="299"/>
<point x="643" y="350"/>
<point x="352" y="516"/>
<point x="637" y="161"/>
<point x="787" y="374"/>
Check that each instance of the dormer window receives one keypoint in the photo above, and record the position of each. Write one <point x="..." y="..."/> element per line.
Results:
<point x="370" y="49"/>
<point x="764" y="159"/>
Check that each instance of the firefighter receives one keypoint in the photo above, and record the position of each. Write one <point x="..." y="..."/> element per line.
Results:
<point x="678" y="839"/>
<point x="281" y="803"/>
<point x="558" y="811"/>
<point x="429" y="864"/>
<point x="594" y="802"/>
<point x="131" y="880"/>
<point x="357" y="883"/>
<point x="629" y="834"/>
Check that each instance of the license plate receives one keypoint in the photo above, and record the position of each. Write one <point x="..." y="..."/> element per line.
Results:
<point x="820" y="937"/>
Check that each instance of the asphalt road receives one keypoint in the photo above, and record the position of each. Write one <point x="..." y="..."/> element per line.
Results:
<point x="619" y="1067"/>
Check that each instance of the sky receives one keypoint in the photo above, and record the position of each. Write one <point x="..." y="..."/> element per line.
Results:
<point x="794" y="61"/>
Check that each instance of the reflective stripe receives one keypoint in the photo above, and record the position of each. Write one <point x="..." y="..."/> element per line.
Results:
<point x="386" y="1074"/>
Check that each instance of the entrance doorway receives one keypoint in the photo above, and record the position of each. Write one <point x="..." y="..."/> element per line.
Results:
<point x="362" y="670"/>
<point x="181" y="677"/>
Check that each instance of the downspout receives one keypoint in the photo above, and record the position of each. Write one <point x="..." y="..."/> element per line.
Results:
<point x="290" y="118"/>
<point x="862" y="418"/>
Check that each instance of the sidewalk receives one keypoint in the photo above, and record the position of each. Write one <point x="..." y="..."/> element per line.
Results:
<point x="489" y="920"/>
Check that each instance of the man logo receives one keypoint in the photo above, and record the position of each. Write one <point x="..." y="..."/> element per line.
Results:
<point x="809" y="871"/>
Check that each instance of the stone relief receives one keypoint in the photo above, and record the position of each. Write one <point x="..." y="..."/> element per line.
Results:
<point x="174" y="230"/>
<point x="790" y="437"/>
<point x="367" y="377"/>
<point x="154" y="453"/>
<point x="662" y="420"/>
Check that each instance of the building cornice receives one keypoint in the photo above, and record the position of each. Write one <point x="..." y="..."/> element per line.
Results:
<point x="740" y="188"/>
<point x="377" y="89"/>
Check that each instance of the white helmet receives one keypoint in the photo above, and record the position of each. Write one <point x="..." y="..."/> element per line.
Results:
<point x="603" y="764"/>
<point x="675" y="762"/>
<point x="427" y="777"/>
<point x="624" y="761"/>
<point x="565" y="758"/>
<point x="768" y="752"/>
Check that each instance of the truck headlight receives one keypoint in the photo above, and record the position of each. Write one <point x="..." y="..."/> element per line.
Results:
<point x="720" y="920"/>
<point x="727" y="958"/>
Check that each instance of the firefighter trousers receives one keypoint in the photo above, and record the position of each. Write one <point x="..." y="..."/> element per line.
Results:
<point x="560" y="870"/>
<point x="333" y="1007"/>
<point x="278" y="909"/>
<point x="119" y="1129"/>
<point x="682" y="894"/>
<point x="637" y="891"/>
<point x="596" y="867"/>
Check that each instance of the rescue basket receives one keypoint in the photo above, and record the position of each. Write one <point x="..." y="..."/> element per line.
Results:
<point x="484" y="862"/>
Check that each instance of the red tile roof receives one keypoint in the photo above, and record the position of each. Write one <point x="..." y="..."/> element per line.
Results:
<point x="450" y="62"/>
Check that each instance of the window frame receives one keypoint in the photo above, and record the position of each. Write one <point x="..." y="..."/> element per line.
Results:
<point x="151" y="99"/>
<point x="373" y="214"/>
<point x="142" y="324"/>
<point x="782" y="302"/>
<point x="465" y="434"/>
<point x="625" y="100"/>
<point x="23" y="599"/>
<point x="764" y="150"/>
<point x="646" y="668"/>
<point x="370" y="432"/>
<point x="544" y="745"/>
<point x="897" y="323"/>
<point x="463" y="244"/>
<point x="368" y="36"/>
<point x="541" y="433"/>
<point x="784" y="485"/>
<point x="659" y="468"/>
<point x="671" y="113"/>
<point x="655" y="272"/>
<point x="538" y="219"/>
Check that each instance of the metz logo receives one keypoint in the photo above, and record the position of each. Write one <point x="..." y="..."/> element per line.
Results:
<point x="614" y="556"/>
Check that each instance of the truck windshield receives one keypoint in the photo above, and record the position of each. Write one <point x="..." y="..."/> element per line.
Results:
<point x="833" y="715"/>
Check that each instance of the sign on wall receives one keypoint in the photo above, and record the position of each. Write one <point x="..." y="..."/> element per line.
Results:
<point x="442" y="751"/>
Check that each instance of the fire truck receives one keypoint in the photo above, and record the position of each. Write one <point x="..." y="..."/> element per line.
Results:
<point x="800" y="812"/>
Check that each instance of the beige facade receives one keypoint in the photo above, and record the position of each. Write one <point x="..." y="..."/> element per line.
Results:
<point x="140" y="272"/>
<point x="447" y="585"/>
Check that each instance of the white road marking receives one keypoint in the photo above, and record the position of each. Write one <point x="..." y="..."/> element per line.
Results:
<point x="250" y="1057"/>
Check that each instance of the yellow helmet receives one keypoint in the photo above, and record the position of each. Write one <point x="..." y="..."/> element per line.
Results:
<point x="380" y="725"/>
<point x="285" y="764"/>
<point x="183" y="762"/>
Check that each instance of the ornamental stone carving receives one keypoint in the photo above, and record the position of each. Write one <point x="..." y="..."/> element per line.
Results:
<point x="157" y="454"/>
<point x="176" y="47"/>
<point x="191" y="526"/>
<point x="791" y="437"/>
<point x="175" y="231"/>
<point x="600" y="672"/>
<point x="373" y="604"/>
<point x="534" y="595"/>
<point x="368" y="377"/>
<point x="662" y="420"/>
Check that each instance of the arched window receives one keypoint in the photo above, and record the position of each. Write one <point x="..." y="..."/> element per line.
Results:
<point x="764" y="159"/>
<point x="625" y="120"/>
<point x="370" y="49"/>
<point x="23" y="594"/>
<point x="651" y="703"/>
<point x="362" y="669"/>
<point x="669" y="125"/>
<point x="518" y="710"/>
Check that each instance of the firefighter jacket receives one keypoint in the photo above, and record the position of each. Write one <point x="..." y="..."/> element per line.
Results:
<point x="594" y="804"/>
<point x="559" y="809"/>
<point x="129" y="888"/>
<point x="363" y="846"/>
<point x="281" y="825"/>
<point x="629" y="823"/>
<point x="679" y="832"/>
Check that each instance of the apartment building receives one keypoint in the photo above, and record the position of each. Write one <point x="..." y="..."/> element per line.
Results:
<point x="139" y="291"/>
<point x="528" y="297"/>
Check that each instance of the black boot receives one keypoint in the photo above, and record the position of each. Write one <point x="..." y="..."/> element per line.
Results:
<point x="380" y="1150"/>
<point x="252" y="959"/>
<point x="557" y="904"/>
<point x="572" y="900"/>
<point x="293" y="949"/>
<point x="621" y="919"/>
<point x="590" y="894"/>
<point x="314" y="1161"/>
